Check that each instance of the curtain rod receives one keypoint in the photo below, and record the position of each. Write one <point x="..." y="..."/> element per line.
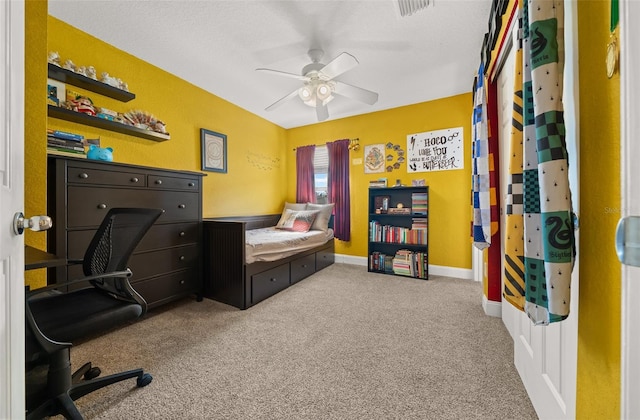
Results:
<point x="357" y="139"/>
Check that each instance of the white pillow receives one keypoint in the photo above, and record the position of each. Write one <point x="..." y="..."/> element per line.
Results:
<point x="322" y="219"/>
<point x="290" y="206"/>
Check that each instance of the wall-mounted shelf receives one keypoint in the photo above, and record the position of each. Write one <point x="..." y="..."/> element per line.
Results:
<point x="80" y="118"/>
<point x="84" y="82"/>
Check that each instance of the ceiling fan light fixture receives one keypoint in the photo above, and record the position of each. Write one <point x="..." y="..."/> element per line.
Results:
<point x="306" y="93"/>
<point x="323" y="91"/>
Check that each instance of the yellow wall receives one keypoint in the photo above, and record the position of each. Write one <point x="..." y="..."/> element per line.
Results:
<point x="449" y="191"/>
<point x="255" y="182"/>
<point x="598" y="386"/>
<point x="261" y="157"/>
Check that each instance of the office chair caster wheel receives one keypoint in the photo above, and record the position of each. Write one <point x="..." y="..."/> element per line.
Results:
<point x="92" y="373"/>
<point x="144" y="380"/>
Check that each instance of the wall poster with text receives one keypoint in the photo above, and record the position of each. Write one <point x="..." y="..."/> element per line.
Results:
<point x="439" y="150"/>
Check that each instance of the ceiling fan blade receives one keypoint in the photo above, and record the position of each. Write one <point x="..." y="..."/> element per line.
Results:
<point x="354" y="92"/>
<point x="284" y="73"/>
<point x="282" y="100"/>
<point x="321" y="111"/>
<point x="342" y="63"/>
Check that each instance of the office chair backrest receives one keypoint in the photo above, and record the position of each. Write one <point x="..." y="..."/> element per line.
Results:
<point x="113" y="243"/>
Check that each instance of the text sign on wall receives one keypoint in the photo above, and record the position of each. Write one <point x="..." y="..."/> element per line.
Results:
<point x="439" y="150"/>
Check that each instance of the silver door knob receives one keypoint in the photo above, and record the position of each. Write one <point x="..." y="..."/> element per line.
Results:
<point x="35" y="223"/>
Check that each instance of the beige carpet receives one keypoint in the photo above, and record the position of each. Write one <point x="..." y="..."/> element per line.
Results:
<point x="341" y="344"/>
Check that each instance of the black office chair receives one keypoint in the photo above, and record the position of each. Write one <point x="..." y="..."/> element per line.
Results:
<point x="56" y="318"/>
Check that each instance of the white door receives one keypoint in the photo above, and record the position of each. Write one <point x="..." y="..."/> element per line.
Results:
<point x="12" y="397"/>
<point x="505" y="81"/>
<point x="546" y="356"/>
<point x="630" y="206"/>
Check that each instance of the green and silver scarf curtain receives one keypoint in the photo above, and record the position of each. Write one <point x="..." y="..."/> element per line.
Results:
<point x="549" y="239"/>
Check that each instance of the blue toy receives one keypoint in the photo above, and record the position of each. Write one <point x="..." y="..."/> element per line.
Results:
<point x="99" y="153"/>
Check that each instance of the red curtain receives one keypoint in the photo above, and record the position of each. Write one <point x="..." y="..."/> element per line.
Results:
<point x="338" y="188"/>
<point x="305" y="190"/>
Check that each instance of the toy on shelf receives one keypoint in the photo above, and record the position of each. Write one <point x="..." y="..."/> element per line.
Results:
<point x="54" y="58"/>
<point x="100" y="153"/>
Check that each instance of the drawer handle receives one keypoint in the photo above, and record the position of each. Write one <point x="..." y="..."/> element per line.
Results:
<point x="182" y="206"/>
<point x="304" y="266"/>
<point x="182" y="234"/>
<point x="83" y="175"/>
<point x="181" y="281"/>
<point x="192" y="184"/>
<point x="181" y="257"/>
<point x="158" y="181"/>
<point x="102" y="206"/>
<point x="273" y="279"/>
<point x="134" y="179"/>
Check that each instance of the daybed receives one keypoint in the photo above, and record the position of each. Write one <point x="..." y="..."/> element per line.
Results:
<point x="240" y="269"/>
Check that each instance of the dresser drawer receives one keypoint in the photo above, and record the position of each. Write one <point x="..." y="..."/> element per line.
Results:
<point x="325" y="258"/>
<point x="158" y="236"/>
<point x="162" y="236"/>
<point x="160" y="289"/>
<point x="100" y="177"/>
<point x="269" y="283"/>
<point x="302" y="267"/>
<point x="148" y="264"/>
<point x="91" y="204"/>
<point x="169" y="182"/>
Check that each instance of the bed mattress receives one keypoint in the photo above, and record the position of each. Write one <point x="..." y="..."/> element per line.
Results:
<point x="271" y="244"/>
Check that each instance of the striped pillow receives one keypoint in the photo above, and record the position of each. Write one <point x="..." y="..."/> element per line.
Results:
<point x="297" y="220"/>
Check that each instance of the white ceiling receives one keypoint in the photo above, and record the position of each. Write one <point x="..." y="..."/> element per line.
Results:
<point x="217" y="45"/>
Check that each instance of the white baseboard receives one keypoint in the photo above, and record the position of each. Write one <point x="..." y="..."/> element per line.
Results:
<point x="436" y="270"/>
<point x="491" y="308"/>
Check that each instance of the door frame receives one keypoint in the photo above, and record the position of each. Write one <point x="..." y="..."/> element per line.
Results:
<point x="12" y="326"/>
<point x="630" y="203"/>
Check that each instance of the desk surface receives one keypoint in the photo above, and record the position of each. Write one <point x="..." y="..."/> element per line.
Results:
<point x="35" y="258"/>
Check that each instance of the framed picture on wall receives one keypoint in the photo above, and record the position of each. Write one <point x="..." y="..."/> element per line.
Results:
<point x="374" y="158"/>
<point x="214" y="151"/>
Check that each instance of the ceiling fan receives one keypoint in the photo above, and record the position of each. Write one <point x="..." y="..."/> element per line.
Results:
<point x="319" y="86"/>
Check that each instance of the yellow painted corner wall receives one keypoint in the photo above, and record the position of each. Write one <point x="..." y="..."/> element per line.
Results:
<point x="598" y="381"/>
<point x="256" y="179"/>
<point x="35" y="118"/>
<point x="449" y="191"/>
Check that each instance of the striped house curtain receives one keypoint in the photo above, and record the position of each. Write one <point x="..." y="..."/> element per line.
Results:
<point x="481" y="225"/>
<point x="548" y="239"/>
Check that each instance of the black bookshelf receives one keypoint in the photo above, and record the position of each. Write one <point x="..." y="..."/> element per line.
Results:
<point x="399" y="229"/>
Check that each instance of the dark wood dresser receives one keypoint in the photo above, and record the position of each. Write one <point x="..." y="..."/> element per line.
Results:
<point x="167" y="264"/>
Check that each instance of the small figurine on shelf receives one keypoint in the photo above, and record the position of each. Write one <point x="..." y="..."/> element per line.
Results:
<point x="54" y="58"/>
<point x="68" y="64"/>
<point x="83" y="104"/>
<point x="159" y="127"/>
<point x="81" y="70"/>
<point x="122" y="85"/>
<point x="91" y="73"/>
<point x="109" y="80"/>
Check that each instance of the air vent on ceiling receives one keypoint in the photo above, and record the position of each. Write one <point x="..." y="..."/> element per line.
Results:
<point x="409" y="7"/>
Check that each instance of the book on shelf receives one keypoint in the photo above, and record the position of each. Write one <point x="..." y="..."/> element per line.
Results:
<point x="65" y="144"/>
<point x="63" y="152"/>
<point x="378" y="183"/>
<point x="399" y="210"/>
<point x="64" y="135"/>
<point x="411" y="264"/>
<point x="419" y="202"/>
<point x="397" y="234"/>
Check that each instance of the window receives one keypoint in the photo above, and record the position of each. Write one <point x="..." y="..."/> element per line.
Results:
<point x="320" y="172"/>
